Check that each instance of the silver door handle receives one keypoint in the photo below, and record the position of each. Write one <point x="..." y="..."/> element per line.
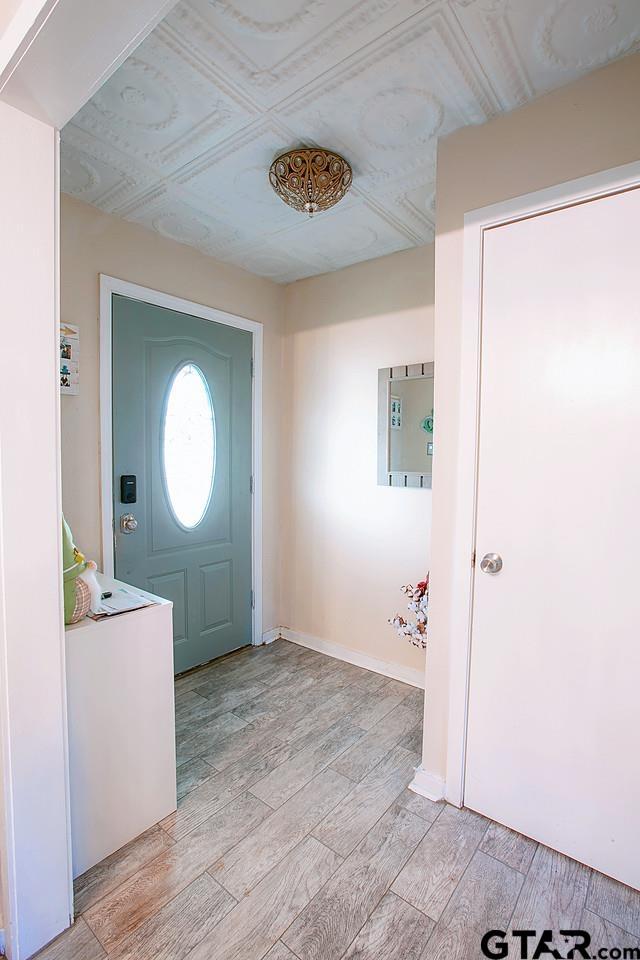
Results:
<point x="491" y="563"/>
<point x="128" y="523"/>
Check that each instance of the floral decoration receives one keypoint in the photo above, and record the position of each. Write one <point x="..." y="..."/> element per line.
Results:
<point x="414" y="630"/>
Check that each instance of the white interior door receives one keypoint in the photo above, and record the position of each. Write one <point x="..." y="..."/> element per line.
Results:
<point x="553" y="745"/>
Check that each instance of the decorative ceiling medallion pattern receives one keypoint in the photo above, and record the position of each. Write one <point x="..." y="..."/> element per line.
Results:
<point x="114" y="178"/>
<point x="601" y="19"/>
<point x="400" y="117"/>
<point x="180" y="137"/>
<point x="80" y="173"/>
<point x="604" y="37"/>
<point x="139" y="95"/>
<point x="303" y="14"/>
<point x="276" y="66"/>
<point x="183" y="230"/>
<point x="490" y="6"/>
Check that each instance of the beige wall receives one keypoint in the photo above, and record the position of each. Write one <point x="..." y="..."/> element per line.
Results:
<point x="588" y="126"/>
<point x="92" y="243"/>
<point x="349" y="544"/>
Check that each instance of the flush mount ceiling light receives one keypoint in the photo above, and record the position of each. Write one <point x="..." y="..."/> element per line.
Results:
<point x="310" y="179"/>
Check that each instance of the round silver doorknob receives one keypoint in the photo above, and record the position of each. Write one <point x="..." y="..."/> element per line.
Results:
<point x="491" y="563"/>
<point x="128" y="523"/>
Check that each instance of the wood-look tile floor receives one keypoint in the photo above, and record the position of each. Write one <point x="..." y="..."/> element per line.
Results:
<point x="296" y="837"/>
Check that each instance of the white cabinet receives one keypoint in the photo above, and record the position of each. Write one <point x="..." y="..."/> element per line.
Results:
<point x="120" y="706"/>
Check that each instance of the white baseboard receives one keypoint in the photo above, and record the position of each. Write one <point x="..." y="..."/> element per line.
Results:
<point x="428" y="785"/>
<point x="270" y="636"/>
<point x="394" y="671"/>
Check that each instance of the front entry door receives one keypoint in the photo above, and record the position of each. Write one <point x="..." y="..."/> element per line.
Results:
<point x="552" y="746"/>
<point x="182" y="469"/>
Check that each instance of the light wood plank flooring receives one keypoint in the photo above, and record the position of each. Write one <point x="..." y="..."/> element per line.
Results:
<point x="296" y="837"/>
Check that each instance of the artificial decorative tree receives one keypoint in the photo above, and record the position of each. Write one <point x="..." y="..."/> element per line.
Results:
<point x="415" y="630"/>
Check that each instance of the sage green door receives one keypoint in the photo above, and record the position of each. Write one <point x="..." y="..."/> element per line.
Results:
<point x="182" y="428"/>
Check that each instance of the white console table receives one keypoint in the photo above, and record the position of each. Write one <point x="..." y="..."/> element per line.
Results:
<point x="120" y="705"/>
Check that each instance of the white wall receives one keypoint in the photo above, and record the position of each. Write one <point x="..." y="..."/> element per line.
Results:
<point x="349" y="544"/>
<point x="587" y="126"/>
<point x="93" y="242"/>
<point x="17" y="21"/>
<point x="7" y="12"/>
<point x="32" y="660"/>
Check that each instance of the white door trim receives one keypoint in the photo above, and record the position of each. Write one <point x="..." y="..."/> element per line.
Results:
<point x="111" y="285"/>
<point x="460" y="613"/>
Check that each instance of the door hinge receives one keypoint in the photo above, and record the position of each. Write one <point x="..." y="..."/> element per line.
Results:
<point x="253" y="600"/>
<point x="251" y="484"/>
<point x="473" y="559"/>
<point x="253" y="369"/>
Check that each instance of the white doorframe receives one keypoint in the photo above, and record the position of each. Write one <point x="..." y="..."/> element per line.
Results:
<point x="460" y="614"/>
<point x="111" y="285"/>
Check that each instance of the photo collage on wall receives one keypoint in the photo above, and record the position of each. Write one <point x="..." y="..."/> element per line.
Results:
<point x="69" y="359"/>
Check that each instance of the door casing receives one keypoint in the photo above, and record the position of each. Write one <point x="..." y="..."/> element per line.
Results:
<point x="460" y="616"/>
<point x="111" y="285"/>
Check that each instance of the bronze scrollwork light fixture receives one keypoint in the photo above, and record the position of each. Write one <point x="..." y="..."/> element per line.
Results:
<point x="310" y="179"/>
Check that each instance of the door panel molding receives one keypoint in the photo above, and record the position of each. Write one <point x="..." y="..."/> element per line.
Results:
<point x="112" y="285"/>
<point x="459" y="614"/>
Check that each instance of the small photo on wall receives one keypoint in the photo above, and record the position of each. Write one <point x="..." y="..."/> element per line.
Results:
<point x="395" y="418"/>
<point x="69" y="359"/>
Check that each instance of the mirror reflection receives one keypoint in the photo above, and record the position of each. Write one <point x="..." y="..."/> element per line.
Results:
<point x="411" y="426"/>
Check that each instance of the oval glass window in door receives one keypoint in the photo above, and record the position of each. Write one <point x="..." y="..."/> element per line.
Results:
<point x="188" y="443"/>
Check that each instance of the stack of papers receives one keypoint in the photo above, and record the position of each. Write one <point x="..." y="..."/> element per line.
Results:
<point x="121" y="601"/>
